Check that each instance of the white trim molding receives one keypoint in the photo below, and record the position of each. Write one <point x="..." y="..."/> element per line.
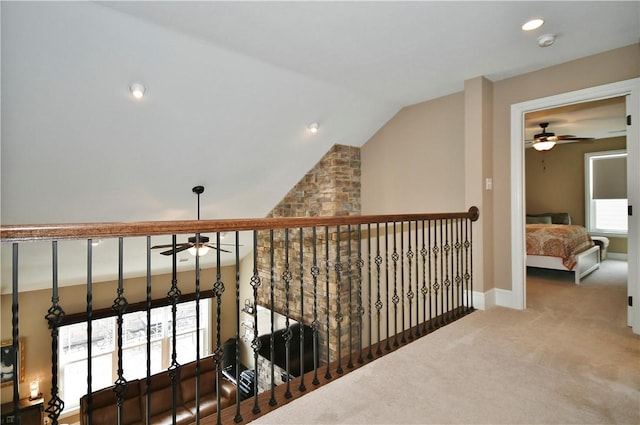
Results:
<point x="630" y="89"/>
<point x="493" y="297"/>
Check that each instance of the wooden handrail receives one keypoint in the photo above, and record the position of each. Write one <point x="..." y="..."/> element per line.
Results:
<point x="28" y="232"/>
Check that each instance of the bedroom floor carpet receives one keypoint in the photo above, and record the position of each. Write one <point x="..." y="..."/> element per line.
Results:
<point x="569" y="358"/>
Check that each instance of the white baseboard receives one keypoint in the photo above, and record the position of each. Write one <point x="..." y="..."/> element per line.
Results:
<point x="493" y="297"/>
<point x="617" y="256"/>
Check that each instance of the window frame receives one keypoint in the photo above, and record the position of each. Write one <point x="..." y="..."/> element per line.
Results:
<point x="589" y="205"/>
<point x="204" y="333"/>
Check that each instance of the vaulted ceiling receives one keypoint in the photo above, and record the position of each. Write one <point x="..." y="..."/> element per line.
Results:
<point x="231" y="87"/>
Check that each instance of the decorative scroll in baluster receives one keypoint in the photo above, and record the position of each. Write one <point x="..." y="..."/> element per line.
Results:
<point x="218" y="290"/>
<point x="395" y="299"/>
<point x="173" y="296"/>
<point x="315" y="272"/>
<point x="54" y="317"/>
<point x="302" y="386"/>
<point x="350" y="300"/>
<point x="338" y="268"/>
<point x="15" y="333"/>
<point x="149" y="299"/>
<point x="447" y="263"/>
<point x="360" y="308"/>
<point x="410" y="276"/>
<point x="287" y="334"/>
<point x="119" y="306"/>
<point x="256" y="344"/>
<point x="327" y="374"/>
<point x="272" y="349"/>
<point x="89" y="330"/>
<point x="378" y="300"/>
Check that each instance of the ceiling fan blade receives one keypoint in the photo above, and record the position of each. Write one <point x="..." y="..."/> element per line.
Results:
<point x="215" y="247"/>
<point x="574" y="138"/>
<point x="179" y="248"/>
<point x="170" y="245"/>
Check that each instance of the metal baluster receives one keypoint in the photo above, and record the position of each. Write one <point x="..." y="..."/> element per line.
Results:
<point x="436" y="284"/>
<point x="15" y="331"/>
<point x="403" y="339"/>
<point x="447" y="262"/>
<point x="174" y="297"/>
<point x="315" y="272"/>
<point x="410" y="276"/>
<point x="360" y="308"/>
<point x="302" y="386"/>
<point x="89" y="330"/>
<point x="272" y="400"/>
<point x="350" y="302"/>
<point x="471" y="262"/>
<point x="378" y="300"/>
<point x="425" y="289"/>
<point x="327" y="374"/>
<point x="458" y="277"/>
<point x="238" y="417"/>
<point x="286" y="334"/>
<point x="218" y="290"/>
<point x="256" y="344"/>
<point x="197" y="282"/>
<point x="369" y="304"/>
<point x="338" y="268"/>
<point x="417" y="292"/>
<point x="148" y="378"/>
<point x="54" y="317"/>
<point x="386" y="266"/>
<point x="120" y="305"/>
<point x="395" y="299"/>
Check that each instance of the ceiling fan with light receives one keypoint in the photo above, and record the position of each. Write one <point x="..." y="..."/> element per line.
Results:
<point x="200" y="248"/>
<point x="546" y="140"/>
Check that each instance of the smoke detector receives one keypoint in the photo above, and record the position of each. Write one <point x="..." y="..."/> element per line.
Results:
<point x="546" y="40"/>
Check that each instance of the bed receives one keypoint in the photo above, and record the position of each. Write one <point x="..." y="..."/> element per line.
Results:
<point x="564" y="247"/>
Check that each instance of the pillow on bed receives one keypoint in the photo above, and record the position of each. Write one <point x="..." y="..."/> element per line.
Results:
<point x="556" y="218"/>
<point x="538" y="219"/>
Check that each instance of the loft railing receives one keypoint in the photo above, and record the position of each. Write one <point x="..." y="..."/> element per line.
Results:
<point x="345" y="289"/>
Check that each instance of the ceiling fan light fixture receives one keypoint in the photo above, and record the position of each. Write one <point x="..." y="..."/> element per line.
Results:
<point x="198" y="251"/>
<point x="544" y="145"/>
<point x="532" y="24"/>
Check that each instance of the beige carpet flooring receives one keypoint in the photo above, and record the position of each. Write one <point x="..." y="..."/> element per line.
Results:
<point x="569" y="358"/>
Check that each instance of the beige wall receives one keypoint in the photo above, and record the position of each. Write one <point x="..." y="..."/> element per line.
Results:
<point x="608" y="67"/>
<point x="415" y="162"/>
<point x="555" y="180"/>
<point x="34" y="329"/>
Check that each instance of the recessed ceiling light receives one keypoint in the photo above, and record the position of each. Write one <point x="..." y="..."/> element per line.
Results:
<point x="532" y="24"/>
<point x="137" y="90"/>
<point x="313" y="127"/>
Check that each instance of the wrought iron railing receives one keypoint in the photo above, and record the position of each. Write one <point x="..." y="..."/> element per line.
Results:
<point x="352" y="288"/>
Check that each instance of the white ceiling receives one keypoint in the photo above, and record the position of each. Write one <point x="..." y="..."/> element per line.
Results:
<point x="230" y="89"/>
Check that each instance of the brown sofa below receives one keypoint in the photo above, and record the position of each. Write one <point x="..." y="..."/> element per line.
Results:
<point x="105" y="411"/>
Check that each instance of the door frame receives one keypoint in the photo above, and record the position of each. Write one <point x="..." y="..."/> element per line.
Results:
<point x="628" y="88"/>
